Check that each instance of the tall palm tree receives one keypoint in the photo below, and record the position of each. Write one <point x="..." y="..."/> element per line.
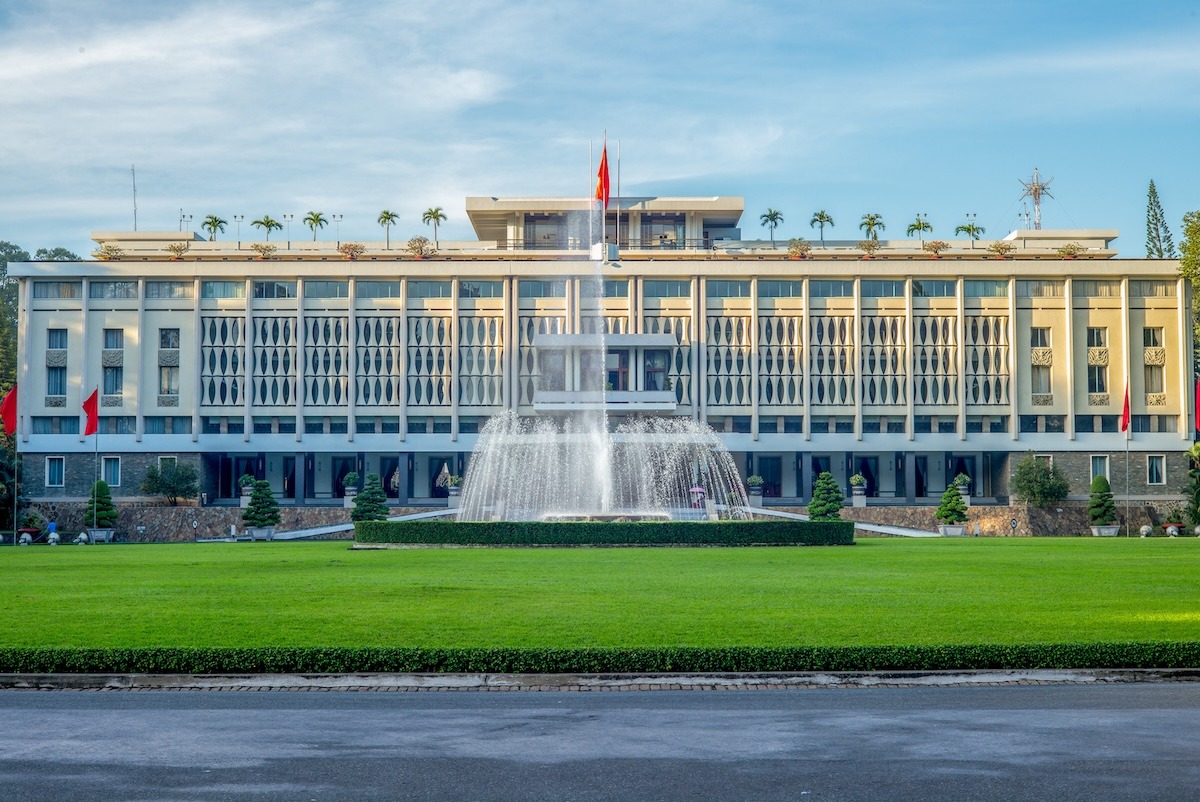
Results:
<point x="872" y="224"/>
<point x="268" y="223"/>
<point x="919" y="227"/>
<point x="387" y="220"/>
<point x="971" y="230"/>
<point x="771" y="220"/>
<point x="821" y="219"/>
<point x="434" y="216"/>
<point x="315" y="220"/>
<point x="212" y="224"/>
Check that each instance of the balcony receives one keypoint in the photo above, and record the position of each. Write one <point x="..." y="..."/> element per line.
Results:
<point x="594" y="400"/>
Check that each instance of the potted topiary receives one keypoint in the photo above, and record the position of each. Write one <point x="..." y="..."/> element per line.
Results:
<point x="262" y="516"/>
<point x="827" y="500"/>
<point x="246" y="486"/>
<point x="963" y="483"/>
<point x="935" y="247"/>
<point x="858" y="490"/>
<point x="1102" y="511"/>
<point x="1001" y="249"/>
<point x="453" y="489"/>
<point x="799" y="248"/>
<point x="951" y="514"/>
<point x="350" y="487"/>
<point x="754" y="488"/>
<point x="1173" y="520"/>
<point x="100" y="515"/>
<point x="371" y="503"/>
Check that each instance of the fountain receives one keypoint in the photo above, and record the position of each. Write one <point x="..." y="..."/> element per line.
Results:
<point x="571" y="466"/>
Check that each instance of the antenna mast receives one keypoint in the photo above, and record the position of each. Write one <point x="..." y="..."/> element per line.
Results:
<point x="133" y="174"/>
<point x="1036" y="188"/>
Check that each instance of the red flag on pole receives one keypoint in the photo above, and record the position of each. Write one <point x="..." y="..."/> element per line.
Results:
<point x="602" y="184"/>
<point x="1125" y="411"/>
<point x="91" y="407"/>
<point x="8" y="411"/>
<point x="1197" y="409"/>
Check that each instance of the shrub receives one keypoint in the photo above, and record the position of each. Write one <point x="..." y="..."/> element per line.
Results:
<point x="352" y="250"/>
<point x="1070" y="250"/>
<point x="175" y="481"/>
<point x="246" y="480"/>
<point x="868" y="247"/>
<point x="264" y="509"/>
<point x="935" y="246"/>
<point x="420" y="247"/>
<point x="952" y="510"/>
<point x="1102" y="511"/>
<point x="264" y="250"/>
<point x="350" y="480"/>
<point x="754" y="480"/>
<point x="1038" y="483"/>
<point x="799" y="247"/>
<point x="178" y="249"/>
<point x="100" y="512"/>
<point x="827" y="500"/>
<point x="108" y="251"/>
<point x="371" y="503"/>
<point x="1191" y="490"/>
<point x="1001" y="248"/>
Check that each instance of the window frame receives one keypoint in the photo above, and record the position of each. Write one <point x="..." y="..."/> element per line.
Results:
<point x="1092" y="466"/>
<point x="1162" y="458"/>
<point x="105" y="461"/>
<point x="62" y="476"/>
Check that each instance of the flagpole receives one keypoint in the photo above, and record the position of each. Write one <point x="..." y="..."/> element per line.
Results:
<point x="1127" y="502"/>
<point x="618" y="235"/>
<point x="589" y="169"/>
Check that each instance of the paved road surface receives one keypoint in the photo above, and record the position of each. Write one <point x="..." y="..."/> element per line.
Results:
<point x="1066" y="742"/>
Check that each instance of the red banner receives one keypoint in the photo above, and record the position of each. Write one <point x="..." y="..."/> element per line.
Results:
<point x="91" y="407"/>
<point x="8" y="411"/>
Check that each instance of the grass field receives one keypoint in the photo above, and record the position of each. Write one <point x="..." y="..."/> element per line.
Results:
<point x="880" y="591"/>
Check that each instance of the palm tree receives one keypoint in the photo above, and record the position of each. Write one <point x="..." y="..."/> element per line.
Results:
<point x="919" y="227"/>
<point x="872" y="224"/>
<point x="434" y="216"/>
<point x="387" y="220"/>
<point x="771" y="220"/>
<point x="821" y="219"/>
<point x="212" y="224"/>
<point x="315" y="220"/>
<point x="268" y="223"/>
<point x="971" y="230"/>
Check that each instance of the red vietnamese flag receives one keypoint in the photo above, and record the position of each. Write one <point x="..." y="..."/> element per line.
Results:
<point x="1125" y="411"/>
<point x="602" y="184"/>
<point x="8" y="411"/>
<point x="91" y="407"/>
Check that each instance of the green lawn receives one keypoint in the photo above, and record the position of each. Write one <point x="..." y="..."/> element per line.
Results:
<point x="880" y="591"/>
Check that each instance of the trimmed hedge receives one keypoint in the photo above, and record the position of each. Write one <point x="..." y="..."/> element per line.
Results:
<point x="608" y="533"/>
<point x="279" y="660"/>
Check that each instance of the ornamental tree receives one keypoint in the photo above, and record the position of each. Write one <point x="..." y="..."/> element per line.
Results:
<point x="370" y="504"/>
<point x="1102" y="510"/>
<point x="263" y="510"/>
<point x="1039" y="482"/>
<point x="952" y="509"/>
<point x="100" y="512"/>
<point x="174" y="481"/>
<point x="827" y="500"/>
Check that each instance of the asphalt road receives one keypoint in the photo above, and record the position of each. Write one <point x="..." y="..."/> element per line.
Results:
<point x="1067" y="742"/>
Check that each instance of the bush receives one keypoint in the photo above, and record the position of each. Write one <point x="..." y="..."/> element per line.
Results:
<point x="1191" y="490"/>
<point x="100" y="512"/>
<point x="1102" y="511"/>
<point x="371" y="503"/>
<point x="263" y="510"/>
<point x="827" y="500"/>
<point x="952" y="510"/>
<point x="1037" y="483"/>
<point x="175" y="481"/>
<point x="607" y="533"/>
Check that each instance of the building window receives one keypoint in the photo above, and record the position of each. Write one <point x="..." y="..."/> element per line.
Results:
<point x="338" y="426"/>
<point x="1097" y="379"/>
<point x="947" y="426"/>
<point x="773" y="288"/>
<point x="1151" y="288"/>
<point x="114" y="381"/>
<point x="114" y="339"/>
<point x="167" y="462"/>
<point x="932" y="288"/>
<point x="274" y="289"/>
<point x="326" y="289"/>
<point x="1156" y="469"/>
<point x="1039" y="338"/>
<point x="168" y="381"/>
<point x="1039" y="379"/>
<point x="1099" y="465"/>
<point x="985" y="288"/>
<point x="1154" y="379"/>
<point x="656" y="369"/>
<point x="110" y="470"/>
<point x="377" y="289"/>
<point x="168" y="338"/>
<point x="874" y="288"/>
<point x="56" y="338"/>
<point x="169" y="290"/>
<point x="922" y="424"/>
<point x="1097" y="338"/>
<point x="616" y="370"/>
<point x="1091" y="288"/>
<point x="223" y="289"/>
<point x="1152" y="338"/>
<point x="55" y="471"/>
<point x="725" y="288"/>
<point x="42" y="425"/>
<point x="114" y="290"/>
<point x="1055" y="424"/>
<point x="895" y="427"/>
<point x="154" y="424"/>
<point x="56" y="381"/>
<point x="1028" y="424"/>
<point x="57" y="289"/>
<point x="663" y="288"/>
<point x="364" y="426"/>
<point x="831" y="289"/>
<point x="553" y="368"/>
<point x="68" y="425"/>
<point x="542" y="288"/>
<point x="1039" y="288"/>
<point x="481" y="289"/>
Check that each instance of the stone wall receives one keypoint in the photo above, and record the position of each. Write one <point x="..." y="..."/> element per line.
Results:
<point x="80" y="473"/>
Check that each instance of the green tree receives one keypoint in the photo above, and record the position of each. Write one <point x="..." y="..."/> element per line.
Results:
<point x="820" y="219"/>
<point x="387" y="220"/>
<point x="214" y="225"/>
<point x="919" y="227"/>
<point x="1038" y="482"/>
<point x="263" y="510"/>
<point x="315" y="220"/>
<point x="1189" y="268"/>
<point x="1102" y="510"/>
<point x="1192" y="490"/>
<point x="174" y="481"/>
<point x="771" y="219"/>
<point x="8" y="314"/>
<point x="100" y="512"/>
<point x="432" y="217"/>
<point x="268" y="224"/>
<point x="827" y="500"/>
<point x="972" y="231"/>
<point x="872" y="224"/>
<point x="55" y="255"/>
<point x="1158" y="234"/>
<point x="952" y="509"/>
<point x="371" y="503"/>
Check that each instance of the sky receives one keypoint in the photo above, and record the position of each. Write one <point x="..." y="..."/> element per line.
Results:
<point x="895" y="108"/>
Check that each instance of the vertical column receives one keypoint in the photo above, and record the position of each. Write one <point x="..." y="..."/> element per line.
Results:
<point x="856" y="359"/>
<point x="1069" y="311"/>
<point x="1014" y="426"/>
<point x="806" y="374"/>
<point x="805" y="474"/>
<point x="197" y="361"/>
<point x="754" y="357"/>
<point x="247" y="365"/>
<point x="694" y="338"/>
<point x="509" y="351"/>
<point x="144" y="350"/>
<point x="1127" y="362"/>
<point x="910" y="383"/>
<point x="700" y="310"/>
<point x="301" y="477"/>
<point x="961" y="361"/>
<point x="403" y="361"/>
<point x="24" y="288"/>
<point x="454" y="356"/>
<point x="351" y="359"/>
<point x="301" y="358"/>
<point x="85" y="376"/>
<point x="1186" y="397"/>
<point x="910" y="477"/>
<point x="403" y="477"/>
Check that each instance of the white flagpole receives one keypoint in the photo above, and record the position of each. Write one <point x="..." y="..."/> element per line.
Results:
<point x="618" y="233"/>
<point x="589" y="202"/>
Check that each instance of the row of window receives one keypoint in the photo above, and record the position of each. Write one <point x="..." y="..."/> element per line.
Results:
<point x="1152" y="337"/>
<point x="110" y="470"/>
<point x="1097" y="375"/>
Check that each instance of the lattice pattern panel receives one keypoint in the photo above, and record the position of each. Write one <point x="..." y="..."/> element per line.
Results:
<point x="780" y="361"/>
<point x="430" y="350"/>
<point x="884" y="371"/>
<point x="527" y="366"/>
<point x="377" y="370"/>
<point x="274" y="365"/>
<point x="935" y="357"/>
<point x="326" y="361"/>
<point x="987" y="360"/>
<point x="480" y="360"/>
<point x="728" y="351"/>
<point x="608" y="324"/>
<point x="680" y="370"/>
<point x="222" y="360"/>
<point x="831" y="359"/>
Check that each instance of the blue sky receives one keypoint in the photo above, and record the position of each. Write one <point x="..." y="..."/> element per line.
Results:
<point x="347" y="108"/>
